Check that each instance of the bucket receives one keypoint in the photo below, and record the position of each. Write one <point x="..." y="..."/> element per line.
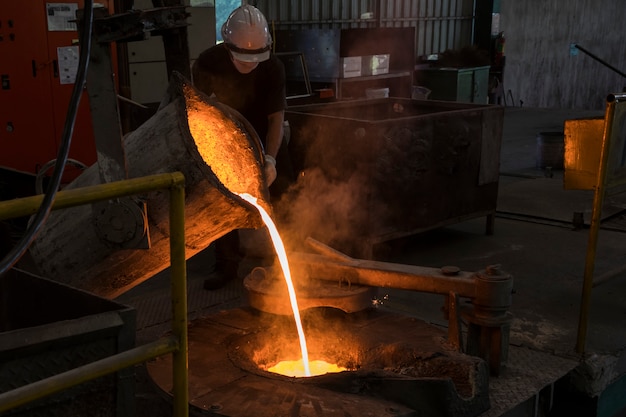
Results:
<point x="550" y="150"/>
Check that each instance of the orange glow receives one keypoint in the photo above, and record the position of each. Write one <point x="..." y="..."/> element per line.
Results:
<point x="218" y="138"/>
<point x="296" y="368"/>
<point x="282" y="257"/>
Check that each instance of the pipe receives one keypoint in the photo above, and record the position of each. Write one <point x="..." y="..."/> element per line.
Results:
<point x="178" y="267"/>
<point x="176" y="344"/>
<point x="490" y="289"/>
<point x="603" y="62"/>
<point x="327" y="250"/>
<point x="384" y="274"/>
<point x="594" y="226"/>
<point x="85" y="373"/>
<point x="26" y="206"/>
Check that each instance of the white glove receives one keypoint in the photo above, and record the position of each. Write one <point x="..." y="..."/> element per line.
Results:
<point x="270" y="169"/>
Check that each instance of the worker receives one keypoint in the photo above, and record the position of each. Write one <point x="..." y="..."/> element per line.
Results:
<point x="242" y="73"/>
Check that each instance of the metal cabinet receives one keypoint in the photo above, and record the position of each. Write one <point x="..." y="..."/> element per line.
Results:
<point x="467" y="85"/>
<point x="38" y="66"/>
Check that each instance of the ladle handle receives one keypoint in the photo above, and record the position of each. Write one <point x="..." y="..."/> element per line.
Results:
<point x="323" y="249"/>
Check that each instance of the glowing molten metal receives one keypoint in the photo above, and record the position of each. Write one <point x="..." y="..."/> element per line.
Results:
<point x="210" y="127"/>
<point x="282" y="257"/>
<point x="296" y="368"/>
<point x="303" y="366"/>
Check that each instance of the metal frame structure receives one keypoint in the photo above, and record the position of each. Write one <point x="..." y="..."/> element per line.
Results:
<point x="176" y="343"/>
<point x="490" y="291"/>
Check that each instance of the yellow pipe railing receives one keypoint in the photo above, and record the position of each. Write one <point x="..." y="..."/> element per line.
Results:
<point x="175" y="344"/>
<point x="603" y="183"/>
<point x="594" y="228"/>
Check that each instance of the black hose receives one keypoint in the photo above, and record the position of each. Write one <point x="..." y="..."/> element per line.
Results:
<point x="68" y="129"/>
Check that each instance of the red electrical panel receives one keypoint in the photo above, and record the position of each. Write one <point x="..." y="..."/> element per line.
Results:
<point x="39" y="50"/>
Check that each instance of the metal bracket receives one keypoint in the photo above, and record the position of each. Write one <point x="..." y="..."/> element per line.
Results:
<point x="122" y="223"/>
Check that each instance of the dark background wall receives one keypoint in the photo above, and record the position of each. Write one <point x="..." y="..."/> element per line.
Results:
<point x="540" y="69"/>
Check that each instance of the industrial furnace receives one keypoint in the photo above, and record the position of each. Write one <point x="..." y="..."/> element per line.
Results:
<point x="390" y="364"/>
<point x="399" y="366"/>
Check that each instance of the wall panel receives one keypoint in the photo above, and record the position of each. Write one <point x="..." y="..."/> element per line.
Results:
<point x="439" y="24"/>
<point x="541" y="72"/>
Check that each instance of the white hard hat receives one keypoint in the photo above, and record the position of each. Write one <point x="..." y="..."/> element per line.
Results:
<point x="246" y="34"/>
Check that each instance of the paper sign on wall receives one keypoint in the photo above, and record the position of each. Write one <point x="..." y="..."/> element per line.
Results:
<point x="495" y="24"/>
<point x="61" y="16"/>
<point x="68" y="57"/>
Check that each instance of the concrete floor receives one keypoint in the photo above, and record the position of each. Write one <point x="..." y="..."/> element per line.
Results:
<point x="535" y="240"/>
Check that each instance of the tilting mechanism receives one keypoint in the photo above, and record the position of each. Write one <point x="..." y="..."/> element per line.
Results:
<point x="488" y="291"/>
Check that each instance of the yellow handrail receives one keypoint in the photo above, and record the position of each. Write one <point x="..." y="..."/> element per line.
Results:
<point x="601" y="186"/>
<point x="175" y="344"/>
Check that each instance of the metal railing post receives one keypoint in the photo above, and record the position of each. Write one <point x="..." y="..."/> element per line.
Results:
<point x="179" y="300"/>
<point x="176" y="344"/>
<point x="594" y="228"/>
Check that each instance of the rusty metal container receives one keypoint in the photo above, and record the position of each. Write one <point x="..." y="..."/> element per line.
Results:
<point x="381" y="169"/>
<point x="109" y="248"/>
<point x="47" y="328"/>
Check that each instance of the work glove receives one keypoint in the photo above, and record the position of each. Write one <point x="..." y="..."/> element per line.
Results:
<point x="270" y="169"/>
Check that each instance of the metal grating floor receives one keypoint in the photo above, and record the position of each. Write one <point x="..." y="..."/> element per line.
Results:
<point x="527" y="373"/>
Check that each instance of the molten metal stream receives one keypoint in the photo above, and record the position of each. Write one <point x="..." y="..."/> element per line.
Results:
<point x="282" y="257"/>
